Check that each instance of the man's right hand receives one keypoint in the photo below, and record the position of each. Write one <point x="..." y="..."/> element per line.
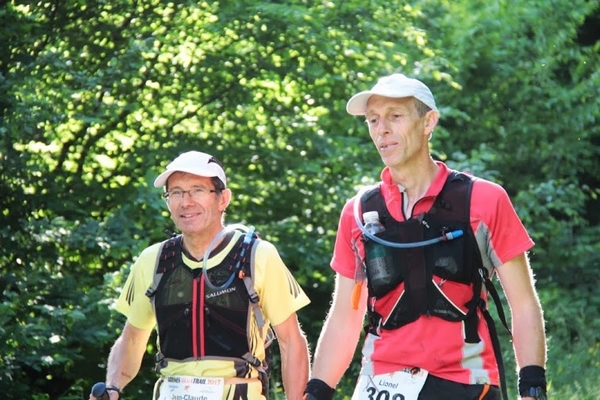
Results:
<point x="100" y="391"/>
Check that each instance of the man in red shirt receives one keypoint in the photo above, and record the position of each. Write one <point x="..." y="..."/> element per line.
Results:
<point x="446" y="233"/>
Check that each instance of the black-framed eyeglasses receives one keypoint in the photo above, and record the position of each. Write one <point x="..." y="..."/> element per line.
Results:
<point x="196" y="194"/>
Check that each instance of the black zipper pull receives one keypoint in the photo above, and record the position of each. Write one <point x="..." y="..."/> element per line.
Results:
<point x="207" y="316"/>
<point x="188" y="320"/>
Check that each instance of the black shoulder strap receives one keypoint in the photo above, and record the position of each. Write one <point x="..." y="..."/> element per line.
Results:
<point x="168" y="256"/>
<point x="491" y="289"/>
<point x="489" y="285"/>
<point x="454" y="199"/>
<point x="245" y="260"/>
<point x="372" y="200"/>
<point x="245" y="265"/>
<point x="493" y="332"/>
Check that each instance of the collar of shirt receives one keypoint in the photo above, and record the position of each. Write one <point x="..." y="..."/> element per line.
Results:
<point x="394" y="199"/>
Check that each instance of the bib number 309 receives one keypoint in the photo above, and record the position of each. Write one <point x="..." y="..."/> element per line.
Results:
<point x="405" y="384"/>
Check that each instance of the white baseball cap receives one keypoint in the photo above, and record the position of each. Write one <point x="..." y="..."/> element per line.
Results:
<point x="394" y="86"/>
<point x="193" y="162"/>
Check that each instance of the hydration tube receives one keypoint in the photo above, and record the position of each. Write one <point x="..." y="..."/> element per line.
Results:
<point x="224" y="231"/>
<point x="444" y="237"/>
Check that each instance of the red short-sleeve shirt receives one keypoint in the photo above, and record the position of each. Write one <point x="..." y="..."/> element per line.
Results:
<point x="432" y="343"/>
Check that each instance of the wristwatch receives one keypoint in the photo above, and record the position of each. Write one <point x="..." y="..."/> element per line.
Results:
<point x="538" y="393"/>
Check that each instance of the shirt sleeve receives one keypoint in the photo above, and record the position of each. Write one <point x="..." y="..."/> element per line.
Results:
<point x="496" y="218"/>
<point x="348" y="251"/>
<point x="279" y="293"/>
<point x="133" y="302"/>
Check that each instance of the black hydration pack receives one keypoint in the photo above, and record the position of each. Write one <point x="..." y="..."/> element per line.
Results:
<point x="199" y="322"/>
<point x="457" y="260"/>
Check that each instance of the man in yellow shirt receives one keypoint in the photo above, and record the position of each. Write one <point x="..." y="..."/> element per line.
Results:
<point x="212" y="292"/>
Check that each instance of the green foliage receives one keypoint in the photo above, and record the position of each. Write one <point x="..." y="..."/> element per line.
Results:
<point x="573" y="337"/>
<point x="526" y="101"/>
<point x="99" y="96"/>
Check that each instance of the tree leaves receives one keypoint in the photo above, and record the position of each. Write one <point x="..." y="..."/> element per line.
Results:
<point x="99" y="96"/>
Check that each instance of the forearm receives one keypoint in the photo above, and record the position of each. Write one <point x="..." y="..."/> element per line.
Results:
<point x="529" y="339"/>
<point x="340" y="335"/>
<point x="335" y="349"/>
<point x="528" y="334"/>
<point x="126" y="356"/>
<point x="295" y="367"/>
<point x="121" y="368"/>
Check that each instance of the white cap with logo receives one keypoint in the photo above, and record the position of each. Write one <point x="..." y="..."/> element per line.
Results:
<point x="193" y="162"/>
<point x="394" y="86"/>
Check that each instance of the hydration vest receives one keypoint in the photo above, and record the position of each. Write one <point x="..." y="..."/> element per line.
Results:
<point x="197" y="322"/>
<point x="410" y="281"/>
<point x="424" y="270"/>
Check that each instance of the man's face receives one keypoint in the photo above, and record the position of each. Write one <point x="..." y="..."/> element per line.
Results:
<point x="194" y="208"/>
<point x="397" y="130"/>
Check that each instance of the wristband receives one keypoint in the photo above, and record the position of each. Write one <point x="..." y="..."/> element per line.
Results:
<point x="532" y="376"/>
<point x="318" y="390"/>
<point x="115" y="389"/>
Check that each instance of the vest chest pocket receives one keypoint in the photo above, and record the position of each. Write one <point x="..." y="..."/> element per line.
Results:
<point x="448" y="259"/>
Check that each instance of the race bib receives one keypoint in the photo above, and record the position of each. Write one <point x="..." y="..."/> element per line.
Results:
<point x="191" y="388"/>
<point x="400" y="385"/>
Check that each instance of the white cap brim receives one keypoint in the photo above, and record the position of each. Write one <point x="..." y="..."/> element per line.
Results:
<point x="394" y="86"/>
<point x="195" y="163"/>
